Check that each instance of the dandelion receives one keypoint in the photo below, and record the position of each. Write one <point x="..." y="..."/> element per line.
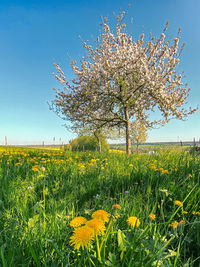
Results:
<point x="133" y="221"/>
<point x="174" y="224"/>
<point x="190" y="175"/>
<point x="116" y="206"/>
<point x="102" y="168"/>
<point x="182" y="222"/>
<point x="185" y="212"/>
<point x="178" y="203"/>
<point x="97" y="225"/>
<point x="82" y="237"/>
<point x="35" y="168"/>
<point x="101" y="215"/>
<point x="82" y="167"/>
<point x="77" y="221"/>
<point x="130" y="165"/>
<point x="152" y="216"/>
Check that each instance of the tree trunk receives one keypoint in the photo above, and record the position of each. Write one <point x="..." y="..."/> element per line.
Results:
<point x="128" y="139"/>
<point x="98" y="140"/>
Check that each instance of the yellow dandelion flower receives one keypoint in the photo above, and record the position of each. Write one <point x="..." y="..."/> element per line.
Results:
<point x="82" y="237"/>
<point x="77" y="221"/>
<point x="174" y="224"/>
<point x="97" y="225"/>
<point x="152" y="216"/>
<point x="130" y="165"/>
<point x="101" y="215"/>
<point x="178" y="203"/>
<point x="116" y="206"/>
<point x="185" y="212"/>
<point x="102" y="168"/>
<point x="190" y="175"/>
<point x="133" y="221"/>
<point x="182" y="222"/>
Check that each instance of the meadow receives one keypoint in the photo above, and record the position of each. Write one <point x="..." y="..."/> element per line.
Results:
<point x="61" y="208"/>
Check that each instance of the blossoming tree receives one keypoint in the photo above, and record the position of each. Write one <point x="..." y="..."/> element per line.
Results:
<point x="121" y="80"/>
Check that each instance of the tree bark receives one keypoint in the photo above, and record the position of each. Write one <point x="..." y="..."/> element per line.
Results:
<point x="98" y="140"/>
<point x="128" y="139"/>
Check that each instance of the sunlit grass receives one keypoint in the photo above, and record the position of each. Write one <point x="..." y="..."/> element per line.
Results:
<point x="152" y="202"/>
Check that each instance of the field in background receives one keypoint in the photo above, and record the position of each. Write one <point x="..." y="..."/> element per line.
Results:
<point x="43" y="190"/>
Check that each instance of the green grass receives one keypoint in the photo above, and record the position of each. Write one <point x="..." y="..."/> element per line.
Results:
<point x="43" y="190"/>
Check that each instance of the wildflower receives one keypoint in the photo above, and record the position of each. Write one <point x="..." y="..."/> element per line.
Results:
<point x="130" y="165"/>
<point x="178" y="203"/>
<point x="30" y="188"/>
<point x="185" y="212"/>
<point x="35" y="168"/>
<point x="172" y="254"/>
<point x="101" y="215"/>
<point x="116" y="206"/>
<point x="126" y="192"/>
<point x="174" y="224"/>
<point x="190" y="175"/>
<point x="78" y="221"/>
<point x="182" y="222"/>
<point x="102" y="168"/>
<point x="82" y="237"/>
<point x="152" y="216"/>
<point x="97" y="225"/>
<point x="42" y="169"/>
<point x="157" y="263"/>
<point x="133" y="221"/>
<point x="164" y="171"/>
<point x="164" y="191"/>
<point x="82" y="167"/>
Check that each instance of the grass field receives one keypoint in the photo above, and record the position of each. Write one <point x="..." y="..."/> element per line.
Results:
<point x="83" y="209"/>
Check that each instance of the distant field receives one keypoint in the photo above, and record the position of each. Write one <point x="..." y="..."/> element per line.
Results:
<point x="60" y="208"/>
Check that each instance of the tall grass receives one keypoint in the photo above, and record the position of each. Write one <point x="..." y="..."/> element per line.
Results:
<point x="43" y="190"/>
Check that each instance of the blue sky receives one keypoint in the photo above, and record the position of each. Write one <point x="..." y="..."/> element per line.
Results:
<point x="35" y="34"/>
